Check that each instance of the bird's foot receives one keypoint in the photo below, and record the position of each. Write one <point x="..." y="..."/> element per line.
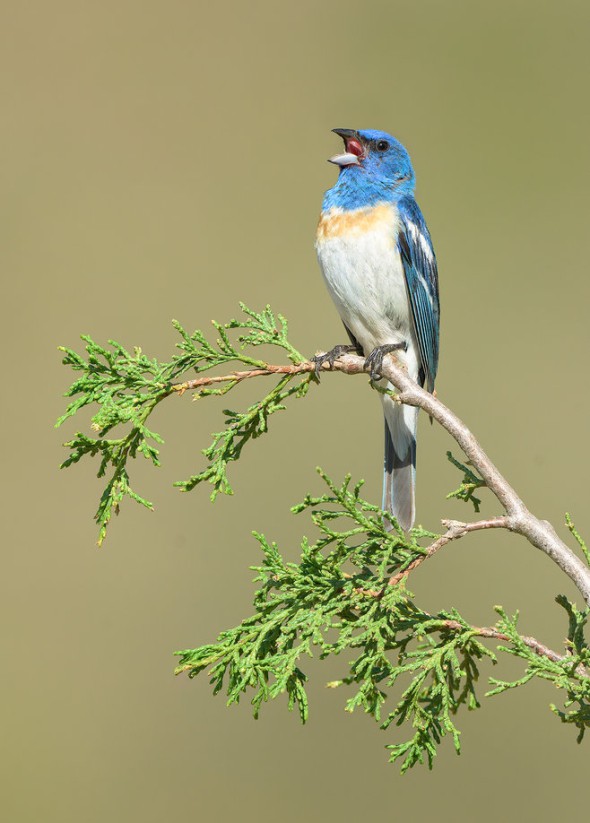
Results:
<point x="330" y="357"/>
<point x="374" y="362"/>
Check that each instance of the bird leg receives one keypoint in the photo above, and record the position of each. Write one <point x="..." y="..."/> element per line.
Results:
<point x="374" y="361"/>
<point x="331" y="356"/>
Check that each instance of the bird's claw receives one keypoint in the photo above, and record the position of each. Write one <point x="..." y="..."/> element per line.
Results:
<point x="374" y="362"/>
<point x="330" y="357"/>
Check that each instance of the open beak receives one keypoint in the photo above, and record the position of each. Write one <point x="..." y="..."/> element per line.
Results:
<point x="354" y="148"/>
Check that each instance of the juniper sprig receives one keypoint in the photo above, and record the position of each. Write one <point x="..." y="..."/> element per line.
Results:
<point x="124" y="389"/>
<point x="347" y="596"/>
<point x="426" y="665"/>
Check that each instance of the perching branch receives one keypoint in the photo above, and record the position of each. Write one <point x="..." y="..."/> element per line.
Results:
<point x="540" y="533"/>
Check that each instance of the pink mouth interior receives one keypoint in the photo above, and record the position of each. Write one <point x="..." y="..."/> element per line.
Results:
<point x="354" y="147"/>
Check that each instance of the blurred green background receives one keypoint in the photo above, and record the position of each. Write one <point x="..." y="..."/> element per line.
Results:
<point x="166" y="160"/>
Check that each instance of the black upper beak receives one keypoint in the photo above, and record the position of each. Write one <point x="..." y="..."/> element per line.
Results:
<point x="347" y="134"/>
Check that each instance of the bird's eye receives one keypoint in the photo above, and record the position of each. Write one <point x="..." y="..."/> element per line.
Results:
<point x="382" y="145"/>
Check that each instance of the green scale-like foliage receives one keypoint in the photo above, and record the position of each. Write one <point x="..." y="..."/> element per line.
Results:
<point x="405" y="667"/>
<point x="127" y="387"/>
<point x="428" y="664"/>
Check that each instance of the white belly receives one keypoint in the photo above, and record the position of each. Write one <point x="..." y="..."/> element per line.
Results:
<point x="365" y="277"/>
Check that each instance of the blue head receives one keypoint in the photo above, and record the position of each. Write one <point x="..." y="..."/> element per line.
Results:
<point x="374" y="168"/>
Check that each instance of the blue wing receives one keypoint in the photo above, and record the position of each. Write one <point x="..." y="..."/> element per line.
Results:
<point x="415" y="247"/>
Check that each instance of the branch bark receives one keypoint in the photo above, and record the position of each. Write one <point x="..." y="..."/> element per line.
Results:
<point x="238" y="376"/>
<point x="535" y="645"/>
<point x="518" y="518"/>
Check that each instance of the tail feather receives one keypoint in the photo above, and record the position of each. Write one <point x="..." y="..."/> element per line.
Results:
<point x="399" y="478"/>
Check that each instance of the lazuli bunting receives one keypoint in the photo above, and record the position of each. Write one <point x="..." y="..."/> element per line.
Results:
<point x="378" y="262"/>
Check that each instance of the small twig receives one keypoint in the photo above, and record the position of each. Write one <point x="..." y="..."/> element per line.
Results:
<point x="238" y="376"/>
<point x="481" y="631"/>
<point x="532" y="643"/>
<point x="455" y="530"/>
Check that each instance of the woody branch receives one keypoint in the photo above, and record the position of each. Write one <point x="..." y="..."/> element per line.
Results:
<point x="518" y="518"/>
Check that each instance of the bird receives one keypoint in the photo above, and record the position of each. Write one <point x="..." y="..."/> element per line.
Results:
<point x="378" y="262"/>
